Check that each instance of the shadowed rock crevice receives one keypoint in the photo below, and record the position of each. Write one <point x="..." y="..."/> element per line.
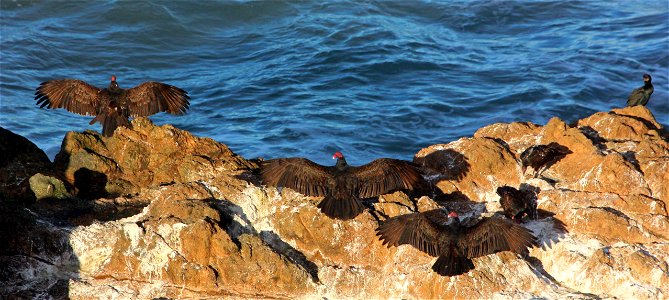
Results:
<point x="91" y="184"/>
<point x="630" y="156"/>
<point x="235" y="229"/>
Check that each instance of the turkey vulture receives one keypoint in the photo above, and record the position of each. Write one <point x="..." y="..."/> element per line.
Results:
<point x="543" y="156"/>
<point x="517" y="203"/>
<point x="439" y="233"/>
<point x="641" y="95"/>
<point x="112" y="106"/>
<point x="342" y="185"/>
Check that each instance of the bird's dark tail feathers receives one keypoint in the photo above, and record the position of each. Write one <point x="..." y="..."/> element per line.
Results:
<point x="452" y="265"/>
<point x="343" y="209"/>
<point x="110" y="120"/>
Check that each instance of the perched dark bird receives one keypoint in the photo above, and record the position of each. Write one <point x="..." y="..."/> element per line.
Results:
<point x="517" y="203"/>
<point x="112" y="106"/>
<point x="641" y="95"/>
<point x="441" y="234"/>
<point x="542" y="157"/>
<point x="342" y="185"/>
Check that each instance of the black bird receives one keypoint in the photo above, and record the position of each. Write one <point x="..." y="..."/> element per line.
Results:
<point x="439" y="233"/>
<point x="112" y="106"/>
<point x="542" y="157"/>
<point x="517" y="203"/>
<point x="342" y="185"/>
<point x="641" y="95"/>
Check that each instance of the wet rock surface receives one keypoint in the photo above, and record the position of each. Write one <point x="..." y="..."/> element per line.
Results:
<point x="156" y="212"/>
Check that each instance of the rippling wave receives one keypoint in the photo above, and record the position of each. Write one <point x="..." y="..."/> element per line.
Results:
<point x="374" y="79"/>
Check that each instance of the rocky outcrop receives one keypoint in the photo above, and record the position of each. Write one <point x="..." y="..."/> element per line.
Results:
<point x="143" y="157"/>
<point x="20" y="159"/>
<point x="162" y="213"/>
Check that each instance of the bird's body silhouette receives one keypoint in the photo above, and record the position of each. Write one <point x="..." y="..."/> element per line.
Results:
<point x="342" y="186"/>
<point x="517" y="203"/>
<point x="640" y="96"/>
<point x="112" y="106"/>
<point x="541" y="157"/>
<point x="441" y="234"/>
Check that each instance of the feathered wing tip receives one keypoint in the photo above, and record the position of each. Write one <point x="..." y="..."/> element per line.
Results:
<point x="521" y="239"/>
<point x="342" y="209"/>
<point x="390" y="232"/>
<point x="558" y="149"/>
<point x="452" y="265"/>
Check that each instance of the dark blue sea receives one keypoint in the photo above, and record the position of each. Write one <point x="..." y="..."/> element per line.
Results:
<point x="370" y="78"/>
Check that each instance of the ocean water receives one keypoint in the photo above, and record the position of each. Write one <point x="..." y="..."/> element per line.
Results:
<point x="372" y="79"/>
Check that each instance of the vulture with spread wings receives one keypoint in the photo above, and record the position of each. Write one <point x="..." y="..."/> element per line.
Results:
<point x="112" y="106"/>
<point x="342" y="185"/>
<point x="439" y="233"/>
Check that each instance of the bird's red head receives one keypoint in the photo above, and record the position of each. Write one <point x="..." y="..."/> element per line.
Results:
<point x="337" y="155"/>
<point x="452" y="214"/>
<point x="113" y="78"/>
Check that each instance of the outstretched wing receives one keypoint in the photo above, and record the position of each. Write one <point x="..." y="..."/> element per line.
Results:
<point x="421" y="230"/>
<point x="152" y="97"/>
<point x="492" y="235"/>
<point x="385" y="175"/>
<point x="71" y="94"/>
<point x="300" y="174"/>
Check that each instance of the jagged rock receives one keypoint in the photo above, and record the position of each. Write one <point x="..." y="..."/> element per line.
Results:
<point x="19" y="160"/>
<point x="35" y="256"/>
<point x="144" y="156"/>
<point x="518" y="135"/>
<point x="193" y="246"/>
<point x="208" y="229"/>
<point x="624" y="124"/>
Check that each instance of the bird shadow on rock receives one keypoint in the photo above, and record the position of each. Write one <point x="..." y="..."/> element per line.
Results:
<point x="446" y="164"/>
<point x="548" y="229"/>
<point x="630" y="156"/>
<point x="81" y="212"/>
<point x="92" y="202"/>
<point x="563" y="152"/>
<point x="502" y="143"/>
<point x="235" y="228"/>
<point x="593" y="135"/>
<point x="90" y="184"/>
